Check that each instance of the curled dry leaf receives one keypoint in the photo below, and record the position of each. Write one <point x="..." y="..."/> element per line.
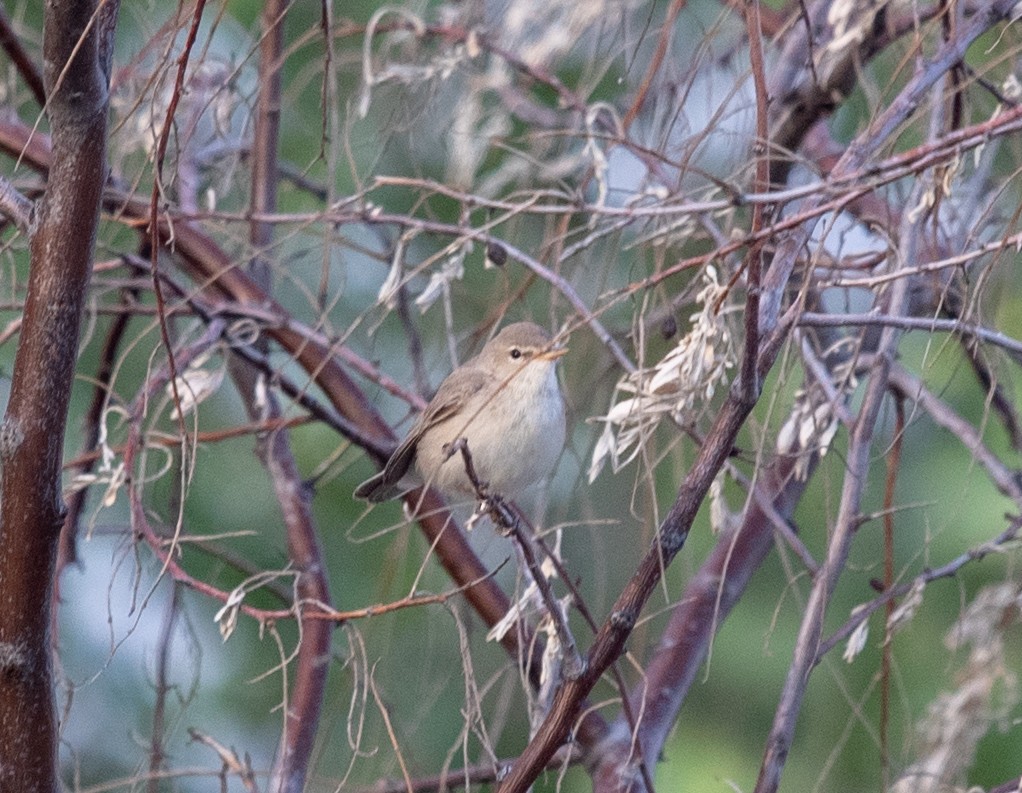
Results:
<point x="856" y="642"/>
<point x="194" y="386"/>
<point x="907" y="609"/>
<point x="677" y="388"/>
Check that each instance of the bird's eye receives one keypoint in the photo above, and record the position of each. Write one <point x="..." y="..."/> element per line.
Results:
<point x="516" y="353"/>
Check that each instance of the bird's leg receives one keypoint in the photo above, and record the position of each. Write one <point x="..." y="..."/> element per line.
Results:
<point x="461" y="445"/>
<point x="489" y="503"/>
<point x="482" y="488"/>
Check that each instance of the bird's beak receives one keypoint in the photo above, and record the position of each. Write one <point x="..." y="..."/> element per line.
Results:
<point x="552" y="354"/>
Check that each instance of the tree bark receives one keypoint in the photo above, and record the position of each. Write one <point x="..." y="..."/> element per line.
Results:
<point x="63" y="234"/>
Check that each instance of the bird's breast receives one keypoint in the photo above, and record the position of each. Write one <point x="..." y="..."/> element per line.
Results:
<point x="515" y="439"/>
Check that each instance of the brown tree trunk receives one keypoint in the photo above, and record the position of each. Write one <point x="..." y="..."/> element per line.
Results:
<point x="32" y="432"/>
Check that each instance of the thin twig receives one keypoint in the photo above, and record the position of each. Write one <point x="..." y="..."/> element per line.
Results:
<point x="157" y="752"/>
<point x="1002" y="542"/>
<point x="929" y="324"/>
<point x="229" y="757"/>
<point x="507" y="522"/>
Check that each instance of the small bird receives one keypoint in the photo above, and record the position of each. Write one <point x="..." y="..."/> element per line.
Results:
<point x="506" y="403"/>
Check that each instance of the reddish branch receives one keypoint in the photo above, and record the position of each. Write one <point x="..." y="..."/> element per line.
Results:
<point x="77" y="46"/>
<point x="663" y="42"/>
<point x="158" y="192"/>
<point x="305" y="700"/>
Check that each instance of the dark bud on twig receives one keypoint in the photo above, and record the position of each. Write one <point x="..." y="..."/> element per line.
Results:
<point x="496" y="255"/>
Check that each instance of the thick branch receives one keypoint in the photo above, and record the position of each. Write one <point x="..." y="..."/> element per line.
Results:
<point x="32" y="433"/>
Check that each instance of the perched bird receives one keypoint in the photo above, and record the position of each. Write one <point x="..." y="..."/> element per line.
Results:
<point x="505" y="402"/>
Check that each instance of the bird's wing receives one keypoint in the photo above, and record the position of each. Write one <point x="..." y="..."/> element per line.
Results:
<point x="445" y="404"/>
<point x="450" y="397"/>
